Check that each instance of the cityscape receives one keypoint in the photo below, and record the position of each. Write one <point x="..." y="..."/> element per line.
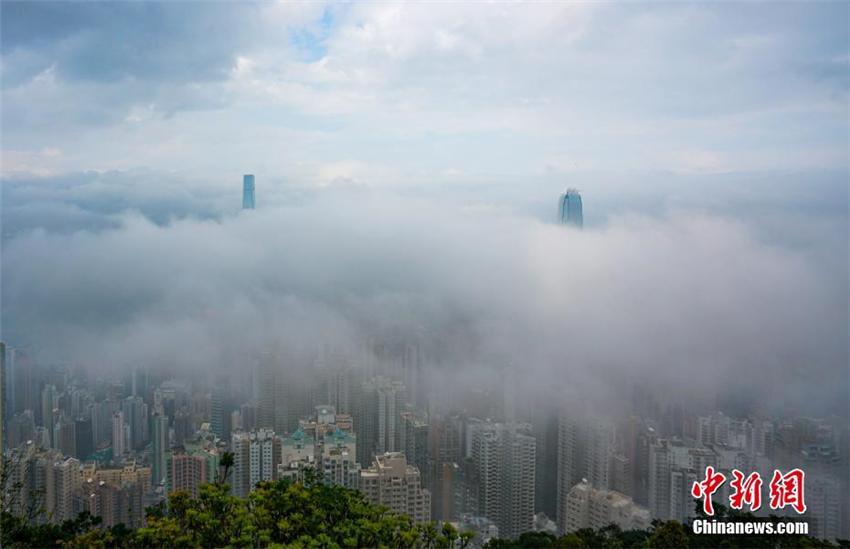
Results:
<point x="394" y="302"/>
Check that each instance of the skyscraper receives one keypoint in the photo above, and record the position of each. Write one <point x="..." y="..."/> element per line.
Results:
<point x="446" y="452"/>
<point x="48" y="404"/>
<point x="569" y="209"/>
<point x="160" y="448"/>
<point x="136" y="416"/>
<point x="118" y="434"/>
<point x="414" y="434"/>
<point x="378" y="418"/>
<point x="570" y="461"/>
<point x="248" y="192"/>
<point x="83" y="438"/>
<point x="598" y="452"/>
<point x="256" y="455"/>
<point x="504" y="458"/>
<point x="64" y="436"/>
<point x="65" y="472"/>
<point x="2" y="398"/>
<point x="674" y="466"/>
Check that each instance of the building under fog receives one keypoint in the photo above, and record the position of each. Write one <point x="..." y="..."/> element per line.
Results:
<point x="248" y="192"/>
<point x="504" y="456"/>
<point x="569" y="209"/>
<point x="589" y="507"/>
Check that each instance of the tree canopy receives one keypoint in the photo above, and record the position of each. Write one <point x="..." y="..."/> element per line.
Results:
<point x="275" y="514"/>
<point x="310" y="514"/>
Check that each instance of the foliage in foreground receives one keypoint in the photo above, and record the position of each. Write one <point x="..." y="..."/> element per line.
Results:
<point x="275" y="514"/>
<point x="306" y="515"/>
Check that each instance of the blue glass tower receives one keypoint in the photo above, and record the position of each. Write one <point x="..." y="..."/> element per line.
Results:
<point x="569" y="209"/>
<point x="248" y="192"/>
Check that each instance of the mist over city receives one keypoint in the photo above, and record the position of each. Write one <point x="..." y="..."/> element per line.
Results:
<point x="614" y="236"/>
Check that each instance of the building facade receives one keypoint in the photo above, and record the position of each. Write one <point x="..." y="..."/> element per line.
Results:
<point x="589" y="507"/>
<point x="570" y="209"/>
<point x="392" y="482"/>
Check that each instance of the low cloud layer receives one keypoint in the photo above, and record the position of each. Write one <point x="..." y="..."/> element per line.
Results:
<point x="408" y="158"/>
<point x="688" y="300"/>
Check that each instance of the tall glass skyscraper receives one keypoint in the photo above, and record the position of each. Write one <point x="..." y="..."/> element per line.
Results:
<point x="569" y="209"/>
<point x="248" y="192"/>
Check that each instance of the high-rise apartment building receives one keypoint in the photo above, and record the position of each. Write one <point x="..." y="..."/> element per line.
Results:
<point x="161" y="446"/>
<point x="297" y="453"/>
<point x="599" y="450"/>
<point x="256" y="456"/>
<point x="392" y="482"/>
<point x="414" y="435"/>
<point x="113" y="503"/>
<point x="544" y="421"/>
<point x="136" y="416"/>
<point x="823" y="506"/>
<point x="120" y="432"/>
<point x="504" y="460"/>
<point x="66" y="476"/>
<point x="377" y="420"/>
<point x="266" y="374"/>
<point x="187" y="467"/>
<point x="414" y="379"/>
<point x="339" y="378"/>
<point x="338" y="460"/>
<point x="64" y="436"/>
<point x="282" y="396"/>
<point x="446" y="449"/>
<point x="114" y="495"/>
<point x="589" y="507"/>
<point x="43" y="480"/>
<point x="49" y="401"/>
<point x="586" y="448"/>
<point x="20" y="429"/>
<point x="2" y="398"/>
<point x="83" y="437"/>
<point x="570" y="461"/>
<point x="569" y="209"/>
<point x="457" y="486"/>
<point x="674" y="466"/>
<point x="19" y="471"/>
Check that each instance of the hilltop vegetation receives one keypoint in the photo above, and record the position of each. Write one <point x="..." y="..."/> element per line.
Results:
<point x="313" y="515"/>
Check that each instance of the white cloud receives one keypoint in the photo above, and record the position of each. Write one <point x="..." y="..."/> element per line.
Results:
<point x="483" y="87"/>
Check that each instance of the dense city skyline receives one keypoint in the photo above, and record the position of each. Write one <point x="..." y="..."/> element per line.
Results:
<point x="516" y="266"/>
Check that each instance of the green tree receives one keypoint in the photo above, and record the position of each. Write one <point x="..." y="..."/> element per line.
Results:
<point x="669" y="535"/>
<point x="310" y="514"/>
<point x="225" y="466"/>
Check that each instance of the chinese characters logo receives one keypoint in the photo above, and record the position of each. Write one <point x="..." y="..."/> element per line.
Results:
<point x="785" y="490"/>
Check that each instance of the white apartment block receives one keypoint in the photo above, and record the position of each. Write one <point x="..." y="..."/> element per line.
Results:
<point x="589" y="507"/>
<point x="256" y="457"/>
<point x="393" y="483"/>
<point x="504" y="458"/>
